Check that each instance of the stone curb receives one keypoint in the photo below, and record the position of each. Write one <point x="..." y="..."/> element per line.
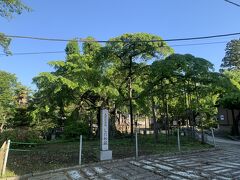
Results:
<point x="23" y="177"/>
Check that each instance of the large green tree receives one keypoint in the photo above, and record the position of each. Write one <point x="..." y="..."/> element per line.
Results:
<point x="230" y="98"/>
<point x="77" y="86"/>
<point x="232" y="55"/>
<point x="8" y="101"/>
<point x="101" y="76"/>
<point x="232" y="101"/>
<point x="179" y="86"/>
<point x="127" y="51"/>
<point x="231" y="66"/>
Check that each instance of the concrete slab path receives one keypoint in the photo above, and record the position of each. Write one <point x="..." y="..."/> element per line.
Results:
<point x="220" y="164"/>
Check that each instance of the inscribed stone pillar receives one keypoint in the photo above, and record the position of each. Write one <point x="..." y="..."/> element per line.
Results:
<point x="105" y="153"/>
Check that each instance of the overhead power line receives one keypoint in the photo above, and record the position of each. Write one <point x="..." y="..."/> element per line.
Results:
<point x="32" y="53"/>
<point x="199" y="44"/>
<point x="173" y="45"/>
<point x="236" y="4"/>
<point x="117" y="41"/>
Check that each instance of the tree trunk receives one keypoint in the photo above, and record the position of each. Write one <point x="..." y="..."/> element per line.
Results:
<point x="90" y="124"/>
<point x="98" y="122"/>
<point x="62" y="115"/>
<point x="130" y="96"/>
<point x="237" y="121"/>
<point x="167" y="117"/>
<point x="113" y="119"/>
<point x="1" y="128"/>
<point x="235" y="130"/>
<point x="145" y="130"/>
<point x="3" y="123"/>
<point x="165" y="111"/>
<point x="154" y="120"/>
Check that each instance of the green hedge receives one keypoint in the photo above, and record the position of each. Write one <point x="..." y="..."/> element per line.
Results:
<point x="21" y="135"/>
<point x="73" y="130"/>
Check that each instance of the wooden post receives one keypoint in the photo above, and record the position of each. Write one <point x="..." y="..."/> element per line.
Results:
<point x="2" y="155"/>
<point x="5" y="158"/>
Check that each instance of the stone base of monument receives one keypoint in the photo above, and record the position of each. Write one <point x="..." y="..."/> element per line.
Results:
<point x="105" y="155"/>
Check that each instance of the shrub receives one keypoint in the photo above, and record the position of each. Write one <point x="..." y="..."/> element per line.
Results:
<point x="74" y="129"/>
<point x="21" y="135"/>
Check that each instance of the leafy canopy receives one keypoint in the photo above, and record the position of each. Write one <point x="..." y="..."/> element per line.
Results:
<point x="232" y="55"/>
<point x="136" y="46"/>
<point x="8" y="95"/>
<point x="7" y="9"/>
<point x="10" y="7"/>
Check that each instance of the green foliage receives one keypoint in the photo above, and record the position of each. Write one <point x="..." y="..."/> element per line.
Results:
<point x="8" y="87"/>
<point x="127" y="56"/>
<point x="174" y="86"/>
<point x="42" y="119"/>
<point x="20" y="118"/>
<point x="232" y="76"/>
<point x="5" y="42"/>
<point x="72" y="47"/>
<point x="130" y="47"/>
<point x="231" y="97"/>
<point x="184" y="86"/>
<point x="58" y="80"/>
<point x="74" y="129"/>
<point x="232" y="56"/>
<point x="21" y="135"/>
<point x="91" y="47"/>
<point x="230" y="100"/>
<point x="9" y="173"/>
<point x="10" y="7"/>
<point x="207" y="120"/>
<point x="7" y="9"/>
<point x="44" y="125"/>
<point x="77" y="83"/>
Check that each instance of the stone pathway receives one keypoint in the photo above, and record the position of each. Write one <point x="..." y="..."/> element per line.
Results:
<point x="220" y="164"/>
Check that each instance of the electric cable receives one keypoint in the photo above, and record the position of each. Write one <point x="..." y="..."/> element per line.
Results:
<point x="60" y="52"/>
<point x="238" y="5"/>
<point x="120" y="41"/>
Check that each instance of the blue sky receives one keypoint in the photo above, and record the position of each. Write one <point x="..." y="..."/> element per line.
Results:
<point x="110" y="18"/>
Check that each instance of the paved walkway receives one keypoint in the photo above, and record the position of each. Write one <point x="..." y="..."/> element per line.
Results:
<point x="220" y="164"/>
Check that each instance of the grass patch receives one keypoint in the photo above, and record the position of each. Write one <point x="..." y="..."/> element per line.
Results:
<point x="56" y="155"/>
<point x="9" y="173"/>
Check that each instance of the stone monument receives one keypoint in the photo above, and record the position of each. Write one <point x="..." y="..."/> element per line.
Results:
<point x="105" y="153"/>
